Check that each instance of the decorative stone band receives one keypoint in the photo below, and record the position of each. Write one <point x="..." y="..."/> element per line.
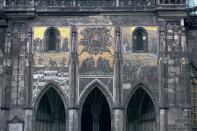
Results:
<point x="91" y="3"/>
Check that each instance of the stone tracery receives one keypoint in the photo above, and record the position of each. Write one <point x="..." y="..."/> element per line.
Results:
<point x="91" y="3"/>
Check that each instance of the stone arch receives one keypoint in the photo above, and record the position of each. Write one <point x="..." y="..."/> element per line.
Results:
<point x="96" y="84"/>
<point x="57" y="38"/>
<point x="141" y="108"/>
<point x="96" y="105"/>
<point x="47" y="86"/>
<point x="50" y="109"/>
<point x="145" y="88"/>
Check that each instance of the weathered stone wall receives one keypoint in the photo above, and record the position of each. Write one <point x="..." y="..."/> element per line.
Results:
<point x="191" y="41"/>
<point x="97" y="50"/>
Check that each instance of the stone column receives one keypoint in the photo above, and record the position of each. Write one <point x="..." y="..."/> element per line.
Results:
<point x="117" y="3"/>
<point x="7" y="69"/>
<point x="117" y="68"/>
<point x="174" y="87"/>
<point x="28" y="119"/>
<point x="73" y="122"/>
<point x="185" y="81"/>
<point x="163" y="114"/>
<point x="28" y="84"/>
<point x="73" y="68"/>
<point x="118" y="111"/>
<point x="118" y="119"/>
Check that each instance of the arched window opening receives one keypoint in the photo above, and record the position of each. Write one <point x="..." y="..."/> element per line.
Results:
<point x="140" y="40"/>
<point x="96" y="113"/>
<point x="52" y="40"/>
<point x="141" y="112"/>
<point x="50" y="114"/>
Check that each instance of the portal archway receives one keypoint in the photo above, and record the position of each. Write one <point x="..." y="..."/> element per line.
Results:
<point x="95" y="112"/>
<point x="141" y="114"/>
<point x="50" y="112"/>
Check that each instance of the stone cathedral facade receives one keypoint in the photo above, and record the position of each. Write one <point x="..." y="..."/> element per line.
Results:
<point x="97" y="65"/>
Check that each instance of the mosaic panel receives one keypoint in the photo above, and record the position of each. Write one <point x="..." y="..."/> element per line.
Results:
<point x="139" y="67"/>
<point x="50" y="65"/>
<point x="96" y="49"/>
<point x="51" y="59"/>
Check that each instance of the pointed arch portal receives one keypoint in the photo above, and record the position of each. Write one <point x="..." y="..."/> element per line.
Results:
<point x="50" y="113"/>
<point x="96" y="112"/>
<point x="141" y="112"/>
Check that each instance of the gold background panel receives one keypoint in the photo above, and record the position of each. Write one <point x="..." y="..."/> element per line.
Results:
<point x="65" y="32"/>
<point x="105" y="55"/>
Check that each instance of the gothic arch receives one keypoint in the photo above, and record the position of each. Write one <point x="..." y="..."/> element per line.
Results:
<point x="50" y="109"/>
<point x="145" y="88"/>
<point x="94" y="100"/>
<point x="88" y="89"/>
<point x="57" y="39"/>
<point x="137" y="110"/>
<point x="45" y="89"/>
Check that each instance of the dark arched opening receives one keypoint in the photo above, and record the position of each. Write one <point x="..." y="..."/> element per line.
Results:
<point x="140" y="40"/>
<point x="141" y="112"/>
<point x="96" y="113"/>
<point x="50" y="113"/>
<point x="52" y="39"/>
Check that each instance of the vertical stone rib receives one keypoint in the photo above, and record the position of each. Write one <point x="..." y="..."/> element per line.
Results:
<point x="28" y="71"/>
<point x="162" y="77"/>
<point x="117" y="68"/>
<point x="4" y="112"/>
<point x="185" y="85"/>
<point x="73" y="68"/>
<point x="118" y="112"/>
